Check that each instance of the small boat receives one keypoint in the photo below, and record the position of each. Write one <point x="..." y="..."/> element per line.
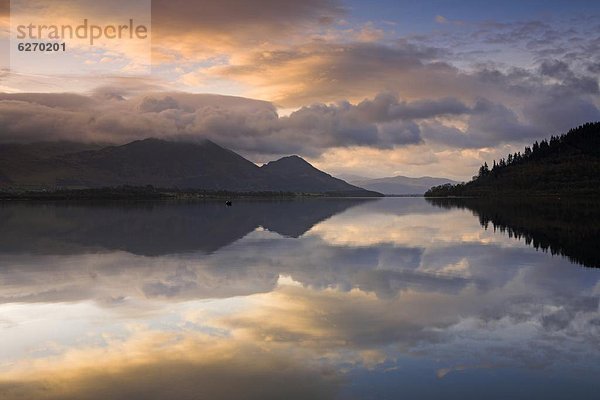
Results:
<point x="228" y="203"/>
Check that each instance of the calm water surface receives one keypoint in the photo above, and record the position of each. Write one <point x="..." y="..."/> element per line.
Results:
<point x="314" y="299"/>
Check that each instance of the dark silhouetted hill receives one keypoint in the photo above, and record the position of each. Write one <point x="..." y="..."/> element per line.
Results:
<point x="164" y="164"/>
<point x="294" y="174"/>
<point x="568" y="164"/>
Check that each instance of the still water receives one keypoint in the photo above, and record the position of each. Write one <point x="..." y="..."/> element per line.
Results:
<point x="314" y="299"/>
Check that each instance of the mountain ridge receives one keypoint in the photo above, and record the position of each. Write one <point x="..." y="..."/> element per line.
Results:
<point x="202" y="165"/>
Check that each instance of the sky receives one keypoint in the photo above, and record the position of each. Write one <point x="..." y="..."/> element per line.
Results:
<point x="374" y="89"/>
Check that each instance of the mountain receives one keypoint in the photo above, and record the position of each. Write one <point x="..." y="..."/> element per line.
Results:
<point x="145" y="162"/>
<point x="400" y="185"/>
<point x="294" y="174"/>
<point x="204" y="165"/>
<point x="566" y="165"/>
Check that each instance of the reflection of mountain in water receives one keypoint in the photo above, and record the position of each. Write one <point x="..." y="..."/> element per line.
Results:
<point x="153" y="229"/>
<point x="567" y="227"/>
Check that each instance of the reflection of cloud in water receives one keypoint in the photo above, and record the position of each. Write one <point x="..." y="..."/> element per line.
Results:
<point x="250" y="266"/>
<point x="159" y="365"/>
<point x="227" y="324"/>
<point x="566" y="226"/>
<point x="301" y="335"/>
<point x="373" y="225"/>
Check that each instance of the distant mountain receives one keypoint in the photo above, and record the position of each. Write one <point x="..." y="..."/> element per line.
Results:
<point x="568" y="164"/>
<point x="401" y="185"/>
<point x="204" y="165"/>
<point x="353" y="178"/>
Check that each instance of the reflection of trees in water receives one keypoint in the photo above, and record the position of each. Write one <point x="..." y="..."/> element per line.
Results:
<point x="566" y="227"/>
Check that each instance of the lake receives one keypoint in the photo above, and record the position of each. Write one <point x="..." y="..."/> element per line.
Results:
<point x="307" y="299"/>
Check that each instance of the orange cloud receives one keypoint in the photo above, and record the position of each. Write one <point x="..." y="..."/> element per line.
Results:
<point x="325" y="72"/>
<point x="186" y="30"/>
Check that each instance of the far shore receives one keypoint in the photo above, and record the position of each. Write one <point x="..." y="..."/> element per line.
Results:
<point x="151" y="193"/>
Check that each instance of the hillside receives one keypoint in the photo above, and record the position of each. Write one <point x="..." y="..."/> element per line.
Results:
<point x="204" y="165"/>
<point x="294" y="174"/>
<point x="401" y="185"/>
<point x="568" y="164"/>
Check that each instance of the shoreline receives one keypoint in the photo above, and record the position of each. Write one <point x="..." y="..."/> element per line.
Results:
<point x="148" y="194"/>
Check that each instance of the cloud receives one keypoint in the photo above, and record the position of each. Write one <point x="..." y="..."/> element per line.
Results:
<point x="355" y="91"/>
<point x="488" y="125"/>
<point x="178" y="263"/>
<point x="555" y="69"/>
<point x="109" y="117"/>
<point x="327" y="72"/>
<point x="203" y="29"/>
<point x="196" y="30"/>
<point x="238" y="16"/>
<point x="440" y="19"/>
<point x="419" y="73"/>
<point x="191" y="366"/>
<point x="313" y="338"/>
<point x="238" y="123"/>
<point x="406" y="247"/>
<point x="387" y="107"/>
<point x="254" y="127"/>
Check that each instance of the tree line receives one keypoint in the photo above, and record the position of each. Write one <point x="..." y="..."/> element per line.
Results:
<point x="567" y="163"/>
